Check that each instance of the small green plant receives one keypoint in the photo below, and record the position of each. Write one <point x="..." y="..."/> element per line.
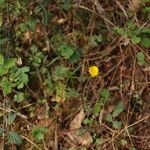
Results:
<point x="12" y="137"/>
<point x="88" y="121"/>
<point x="123" y="142"/>
<point x="130" y="31"/>
<point x="38" y="133"/>
<point x="65" y="5"/>
<point x="116" y="112"/>
<point x="96" y="109"/>
<point x="11" y="116"/>
<point x="65" y="50"/>
<point x="28" y="26"/>
<point x="11" y="75"/>
<point x="35" y="56"/>
<point x="19" y="97"/>
<point x="95" y="40"/>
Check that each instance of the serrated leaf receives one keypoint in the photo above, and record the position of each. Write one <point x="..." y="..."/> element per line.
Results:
<point x="65" y="50"/>
<point x="109" y="118"/>
<point x="11" y="117"/>
<point x="20" y="76"/>
<point x="118" y="109"/>
<point x="97" y="108"/>
<point x="117" y="124"/>
<point x="75" y="57"/>
<point x="14" y="138"/>
<point x="104" y="94"/>
<point x="95" y="40"/>
<point x="38" y="132"/>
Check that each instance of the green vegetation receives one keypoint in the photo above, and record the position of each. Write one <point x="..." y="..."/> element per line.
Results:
<point x="74" y="75"/>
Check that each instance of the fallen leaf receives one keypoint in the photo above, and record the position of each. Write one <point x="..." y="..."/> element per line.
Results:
<point x="77" y="121"/>
<point x="84" y="139"/>
<point x="135" y="5"/>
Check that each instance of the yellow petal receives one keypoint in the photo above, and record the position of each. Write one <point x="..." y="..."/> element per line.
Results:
<point x="93" y="71"/>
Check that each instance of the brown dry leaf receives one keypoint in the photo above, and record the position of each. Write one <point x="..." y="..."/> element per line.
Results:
<point x="77" y="121"/>
<point x="19" y="61"/>
<point x="84" y="139"/>
<point x="135" y="5"/>
<point x="42" y="111"/>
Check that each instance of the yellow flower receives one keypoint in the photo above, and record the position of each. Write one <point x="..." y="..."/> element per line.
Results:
<point x="93" y="71"/>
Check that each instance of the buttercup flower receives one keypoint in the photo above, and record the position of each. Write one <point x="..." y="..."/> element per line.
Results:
<point x="93" y="71"/>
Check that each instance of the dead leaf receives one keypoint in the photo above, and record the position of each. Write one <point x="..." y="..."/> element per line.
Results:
<point x="135" y="4"/>
<point x="84" y="139"/>
<point x="19" y="61"/>
<point x="77" y="121"/>
<point x="42" y="111"/>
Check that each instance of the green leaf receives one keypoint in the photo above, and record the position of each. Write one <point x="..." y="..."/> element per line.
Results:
<point x="11" y="117"/>
<point x="38" y="133"/>
<point x="104" y="94"/>
<point x="1" y="59"/>
<point x="6" y="87"/>
<point x="14" y="138"/>
<point x="60" y="89"/>
<point x="146" y="9"/>
<point x="140" y="58"/>
<point x="65" y="50"/>
<point x="123" y="142"/>
<point x="88" y="121"/>
<point x="121" y="31"/>
<point x="75" y="57"/>
<point x="99" y="141"/>
<point x="109" y="118"/>
<point x="97" y="108"/>
<point x="60" y="73"/>
<point x="130" y="25"/>
<point x="10" y="63"/>
<point x="19" y="97"/>
<point x="20" y="76"/>
<point x="117" y="124"/>
<point x="95" y="40"/>
<point x="135" y="40"/>
<point x="2" y="130"/>
<point x="145" y="41"/>
<point x="71" y="92"/>
<point x="3" y="70"/>
<point x="65" y="5"/>
<point x="118" y="109"/>
<point x="132" y="148"/>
